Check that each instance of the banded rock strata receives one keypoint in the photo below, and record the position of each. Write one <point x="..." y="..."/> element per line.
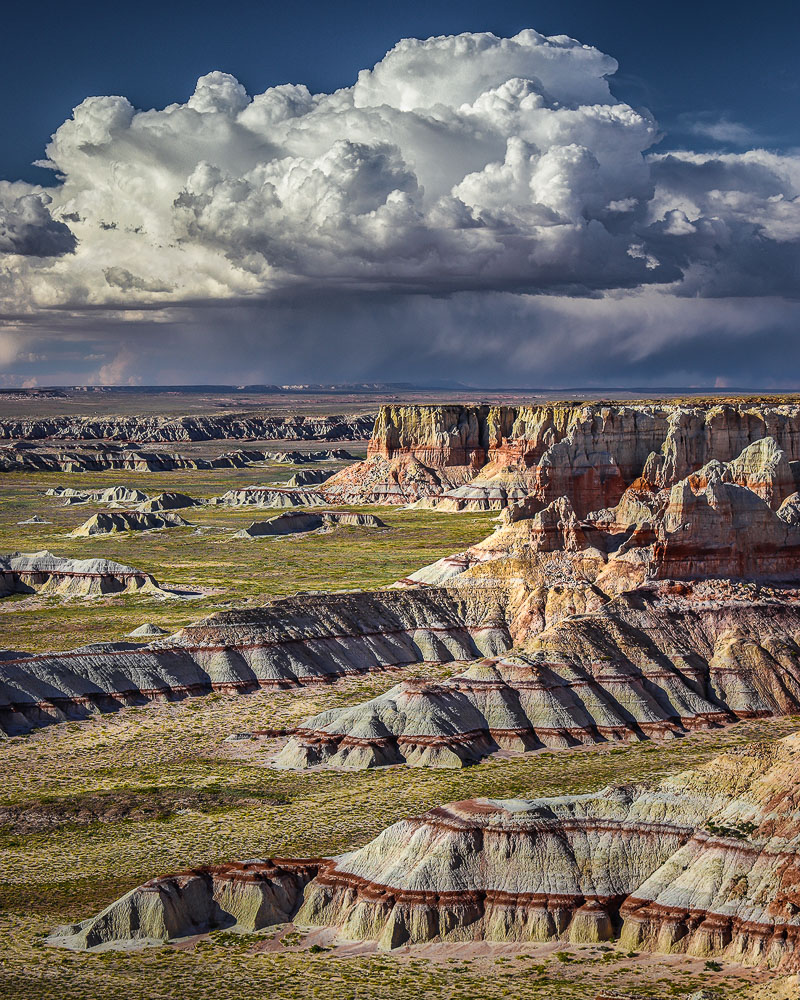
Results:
<point x="484" y="457"/>
<point x="44" y="573"/>
<point x="609" y="651"/>
<point x="106" y="456"/>
<point x="114" y="494"/>
<point x="293" y="641"/>
<point x="271" y="496"/>
<point x="651" y="663"/>
<point x="704" y="862"/>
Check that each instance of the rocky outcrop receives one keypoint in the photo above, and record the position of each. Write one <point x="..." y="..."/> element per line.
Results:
<point x="482" y="457"/>
<point x="309" y="477"/>
<point x="705" y="526"/>
<point x="44" y="573"/>
<point x="703" y="863"/>
<point x="294" y="641"/>
<point x="168" y="501"/>
<point x="127" y="520"/>
<point x="654" y="663"/>
<point x="657" y="660"/>
<point x="241" y="897"/>
<point x="271" y="496"/>
<point x="114" y="494"/>
<point x="297" y="522"/>
<point x="252" y="426"/>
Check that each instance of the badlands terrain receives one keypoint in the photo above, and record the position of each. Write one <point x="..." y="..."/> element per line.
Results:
<point x="502" y="701"/>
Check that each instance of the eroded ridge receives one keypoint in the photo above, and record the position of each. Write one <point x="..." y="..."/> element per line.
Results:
<point x="44" y="573"/>
<point x="651" y="664"/>
<point x="293" y="641"/>
<point x="488" y="457"/>
<point x="704" y="862"/>
<point x="635" y="621"/>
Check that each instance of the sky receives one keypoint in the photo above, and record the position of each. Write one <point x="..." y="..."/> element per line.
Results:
<point x="542" y="194"/>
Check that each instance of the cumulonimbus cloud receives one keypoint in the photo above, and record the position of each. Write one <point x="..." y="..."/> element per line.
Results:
<point x="461" y="164"/>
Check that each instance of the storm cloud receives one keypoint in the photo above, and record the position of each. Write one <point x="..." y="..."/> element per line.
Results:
<point x="469" y="191"/>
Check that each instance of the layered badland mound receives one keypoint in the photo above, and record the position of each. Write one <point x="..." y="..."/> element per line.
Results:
<point x="168" y="501"/>
<point x="271" y="496"/>
<point x="114" y="494"/>
<point x="128" y="520"/>
<point x="652" y="664"/>
<point x="298" y="522"/>
<point x="223" y="426"/>
<point x="483" y="457"/>
<point x="704" y="862"/>
<point x="125" y="495"/>
<point x="309" y="477"/>
<point x="293" y="641"/>
<point x="607" y="651"/>
<point x="44" y="573"/>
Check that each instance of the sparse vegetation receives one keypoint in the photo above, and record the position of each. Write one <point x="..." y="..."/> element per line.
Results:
<point x="92" y="808"/>
<point x="222" y="571"/>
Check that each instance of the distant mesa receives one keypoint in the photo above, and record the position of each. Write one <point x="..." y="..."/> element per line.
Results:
<point x="271" y="496"/>
<point x="129" y="520"/>
<point x="299" y="522"/>
<point x="44" y="573"/>
<point x="223" y="426"/>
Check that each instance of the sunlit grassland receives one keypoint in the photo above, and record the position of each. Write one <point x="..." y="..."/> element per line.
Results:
<point x="89" y="809"/>
<point x="175" y="752"/>
<point x="224" y="571"/>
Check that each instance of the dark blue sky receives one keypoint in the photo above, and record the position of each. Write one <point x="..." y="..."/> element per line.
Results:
<point x="686" y="61"/>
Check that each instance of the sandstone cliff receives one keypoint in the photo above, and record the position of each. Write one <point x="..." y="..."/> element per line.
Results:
<point x="462" y="457"/>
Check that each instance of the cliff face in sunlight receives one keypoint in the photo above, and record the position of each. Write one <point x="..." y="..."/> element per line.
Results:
<point x="482" y="457"/>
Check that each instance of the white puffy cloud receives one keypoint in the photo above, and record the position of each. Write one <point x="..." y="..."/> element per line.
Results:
<point x="468" y="165"/>
<point x="456" y="162"/>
